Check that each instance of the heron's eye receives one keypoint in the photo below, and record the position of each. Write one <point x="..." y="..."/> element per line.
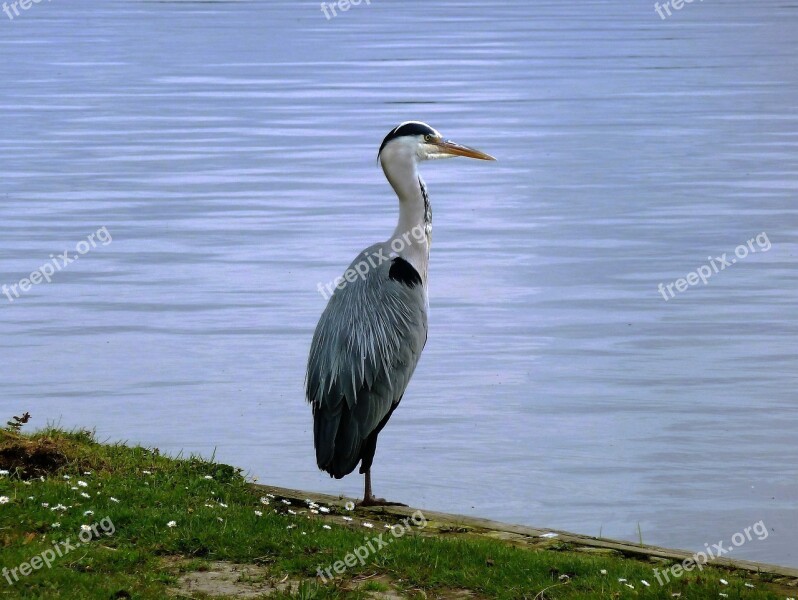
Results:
<point x="428" y="137"/>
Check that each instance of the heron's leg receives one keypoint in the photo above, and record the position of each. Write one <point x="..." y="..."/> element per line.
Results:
<point x="370" y="500"/>
<point x="367" y="495"/>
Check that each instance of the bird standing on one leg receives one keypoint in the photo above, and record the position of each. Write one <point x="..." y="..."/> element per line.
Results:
<point x="369" y="338"/>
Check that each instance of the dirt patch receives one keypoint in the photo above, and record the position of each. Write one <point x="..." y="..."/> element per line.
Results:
<point x="222" y="579"/>
<point x="30" y="458"/>
<point x="227" y="579"/>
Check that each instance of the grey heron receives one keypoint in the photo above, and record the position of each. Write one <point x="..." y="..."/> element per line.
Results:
<point x="371" y="334"/>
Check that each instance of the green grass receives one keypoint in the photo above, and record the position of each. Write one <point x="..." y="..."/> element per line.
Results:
<point x="144" y="557"/>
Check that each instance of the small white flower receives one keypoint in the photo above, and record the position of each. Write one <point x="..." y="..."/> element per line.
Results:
<point x="290" y="526"/>
<point x="171" y="524"/>
<point x="208" y="477"/>
<point x="724" y="582"/>
<point x="303" y="533"/>
<point x="367" y="524"/>
<point x="314" y="511"/>
<point x="85" y="528"/>
<point x="324" y="509"/>
<point x="87" y="472"/>
<point x="629" y="585"/>
<point x="67" y="477"/>
<point x="220" y="519"/>
<point x="4" y="499"/>
<point x="73" y="488"/>
<point x="622" y="581"/>
<point x="645" y="583"/>
<point x="270" y="495"/>
<point x="748" y="585"/>
<point x="264" y="500"/>
<point x="258" y="513"/>
<point x="722" y="595"/>
<point x="349" y="505"/>
<point x="60" y="507"/>
<point x="603" y="571"/>
<point x="284" y="501"/>
<point x="31" y="498"/>
<point x="85" y="495"/>
<point x="347" y="518"/>
<point x="291" y="512"/>
<point x="88" y="513"/>
<point x="326" y="527"/>
<point x="83" y="484"/>
<point x="3" y="472"/>
<point x="112" y="499"/>
<point x="55" y="525"/>
<point x="27" y="482"/>
<point x="209" y="505"/>
<point x="222" y="504"/>
<point x="45" y="505"/>
<point x="387" y="526"/>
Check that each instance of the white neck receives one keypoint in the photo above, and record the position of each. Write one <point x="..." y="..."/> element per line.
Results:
<point x="413" y="234"/>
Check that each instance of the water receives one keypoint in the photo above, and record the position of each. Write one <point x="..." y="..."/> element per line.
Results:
<point x="229" y="149"/>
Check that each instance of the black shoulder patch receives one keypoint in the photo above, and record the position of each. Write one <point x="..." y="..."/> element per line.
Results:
<point x="403" y="272"/>
<point x="409" y="128"/>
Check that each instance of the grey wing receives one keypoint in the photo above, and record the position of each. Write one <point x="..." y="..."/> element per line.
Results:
<point x="364" y="351"/>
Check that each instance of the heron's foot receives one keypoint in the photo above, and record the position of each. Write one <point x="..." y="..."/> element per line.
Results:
<point x="372" y="501"/>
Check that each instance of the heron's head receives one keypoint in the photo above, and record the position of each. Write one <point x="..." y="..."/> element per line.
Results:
<point x="417" y="141"/>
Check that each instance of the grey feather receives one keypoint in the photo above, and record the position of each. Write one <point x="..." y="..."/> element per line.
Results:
<point x="364" y="351"/>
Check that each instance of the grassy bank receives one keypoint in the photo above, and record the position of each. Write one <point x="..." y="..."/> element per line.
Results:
<point x="142" y="525"/>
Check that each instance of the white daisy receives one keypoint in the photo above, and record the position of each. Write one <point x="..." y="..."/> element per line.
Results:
<point x="83" y="484"/>
<point x="112" y="499"/>
<point x="326" y="527"/>
<point x="347" y="518"/>
<point x="367" y="524"/>
<point x="171" y="524"/>
<point x="88" y="513"/>
<point x="45" y="505"/>
<point x="3" y="472"/>
<point x="4" y="499"/>
<point x="85" y="495"/>
<point x="645" y="583"/>
<point x="208" y="477"/>
<point x="324" y="509"/>
<point x="264" y="500"/>
<point x="85" y="528"/>
<point x="55" y="525"/>
<point x="67" y="477"/>
<point x="724" y="582"/>
<point x="258" y="513"/>
<point x="349" y="505"/>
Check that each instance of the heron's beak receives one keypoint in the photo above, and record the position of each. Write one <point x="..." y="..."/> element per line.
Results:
<point x="450" y="148"/>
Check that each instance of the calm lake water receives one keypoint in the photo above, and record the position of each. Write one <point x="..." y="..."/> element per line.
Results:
<point x="229" y="149"/>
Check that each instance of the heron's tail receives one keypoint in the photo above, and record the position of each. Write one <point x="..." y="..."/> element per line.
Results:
<point x="337" y="444"/>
